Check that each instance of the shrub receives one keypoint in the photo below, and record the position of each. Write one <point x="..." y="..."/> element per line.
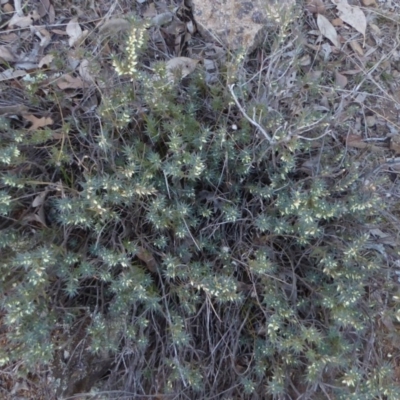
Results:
<point x="189" y="254"/>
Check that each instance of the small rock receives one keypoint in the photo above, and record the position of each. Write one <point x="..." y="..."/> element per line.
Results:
<point x="238" y="23"/>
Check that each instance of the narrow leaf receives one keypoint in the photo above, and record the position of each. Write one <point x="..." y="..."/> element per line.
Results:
<point x="327" y="30"/>
<point x="352" y="15"/>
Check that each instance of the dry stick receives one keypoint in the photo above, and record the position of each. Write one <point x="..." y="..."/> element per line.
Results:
<point x="190" y="233"/>
<point x="254" y="123"/>
<point x="368" y="74"/>
<point x="270" y="139"/>
<point x="18" y="7"/>
<point x="279" y="52"/>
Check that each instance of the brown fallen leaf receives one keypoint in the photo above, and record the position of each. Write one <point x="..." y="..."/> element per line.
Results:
<point x="6" y="54"/>
<point x="58" y="135"/>
<point x="352" y="15"/>
<point x="11" y="74"/>
<point x="145" y="256"/>
<point x="352" y="72"/>
<point x="315" y="6"/>
<point x="368" y="3"/>
<point x="328" y="30"/>
<point x="357" y="48"/>
<point x="75" y="33"/>
<point x="39" y="199"/>
<point x="52" y="14"/>
<point x="337" y="22"/>
<point x="9" y="37"/>
<point x="355" y="141"/>
<point x="375" y="28"/>
<point x="340" y="80"/>
<point x="46" y="60"/>
<point x="59" y="32"/>
<point x="314" y="76"/>
<point x="43" y="7"/>
<point x="69" y="82"/>
<point x="8" y="8"/>
<point x="23" y="21"/>
<point x="37" y="122"/>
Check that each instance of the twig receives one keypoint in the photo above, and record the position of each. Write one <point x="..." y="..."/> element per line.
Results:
<point x="18" y="7"/>
<point x="190" y="233"/>
<point x="254" y="123"/>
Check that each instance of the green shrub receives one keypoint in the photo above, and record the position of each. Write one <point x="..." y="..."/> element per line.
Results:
<point x="198" y="255"/>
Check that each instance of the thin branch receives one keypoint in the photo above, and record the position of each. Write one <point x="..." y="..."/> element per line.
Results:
<point x="254" y="123"/>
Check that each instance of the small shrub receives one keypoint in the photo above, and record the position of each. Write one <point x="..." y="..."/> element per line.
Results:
<point x="181" y="243"/>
